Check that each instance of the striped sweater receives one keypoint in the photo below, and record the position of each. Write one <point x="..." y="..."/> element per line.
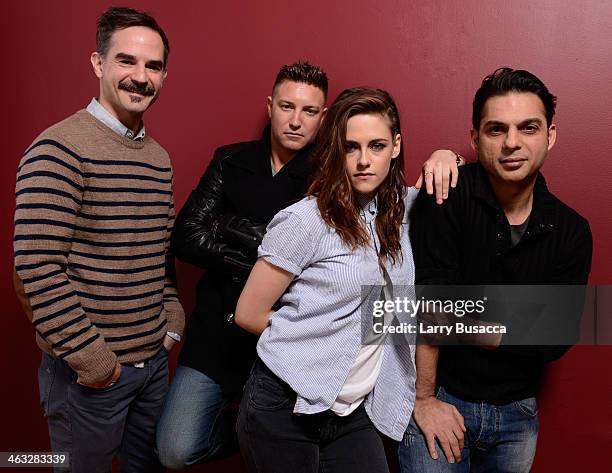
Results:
<point x="92" y="229"/>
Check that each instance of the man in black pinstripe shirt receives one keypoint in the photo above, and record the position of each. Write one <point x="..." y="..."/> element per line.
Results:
<point x="500" y="226"/>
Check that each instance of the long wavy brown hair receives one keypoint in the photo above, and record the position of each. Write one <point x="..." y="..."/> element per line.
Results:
<point x="336" y="199"/>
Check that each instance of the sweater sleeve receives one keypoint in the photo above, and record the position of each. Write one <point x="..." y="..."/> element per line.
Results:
<point x="49" y="192"/>
<point x="174" y="311"/>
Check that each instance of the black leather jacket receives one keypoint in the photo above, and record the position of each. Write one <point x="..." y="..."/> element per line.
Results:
<point x="238" y="182"/>
<point x="196" y="238"/>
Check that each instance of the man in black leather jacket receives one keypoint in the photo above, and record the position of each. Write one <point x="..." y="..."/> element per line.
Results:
<point x="219" y="228"/>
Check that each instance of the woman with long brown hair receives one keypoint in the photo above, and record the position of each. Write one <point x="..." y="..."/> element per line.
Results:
<point x="320" y="394"/>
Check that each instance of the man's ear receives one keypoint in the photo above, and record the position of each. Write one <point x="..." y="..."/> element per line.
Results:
<point x="474" y="139"/>
<point x="552" y="136"/>
<point x="269" y="105"/>
<point x="323" y="114"/>
<point x="96" y="63"/>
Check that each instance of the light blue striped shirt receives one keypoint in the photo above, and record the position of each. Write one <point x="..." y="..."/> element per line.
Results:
<point x="112" y="122"/>
<point x="314" y="337"/>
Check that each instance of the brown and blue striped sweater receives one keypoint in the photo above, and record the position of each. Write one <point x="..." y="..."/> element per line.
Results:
<point x="92" y="229"/>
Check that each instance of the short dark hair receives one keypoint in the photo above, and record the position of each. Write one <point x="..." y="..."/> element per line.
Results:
<point x="119" y="18"/>
<point x="302" y="71"/>
<point x="505" y="80"/>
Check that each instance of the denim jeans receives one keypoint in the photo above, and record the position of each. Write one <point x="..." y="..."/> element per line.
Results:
<point x="500" y="439"/>
<point x="197" y="423"/>
<point x="94" y="425"/>
<point x="275" y="440"/>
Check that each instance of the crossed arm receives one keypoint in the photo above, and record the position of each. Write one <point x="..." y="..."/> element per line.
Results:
<point x="266" y="284"/>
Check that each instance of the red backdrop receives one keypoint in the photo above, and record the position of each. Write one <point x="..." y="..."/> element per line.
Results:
<point x="430" y="55"/>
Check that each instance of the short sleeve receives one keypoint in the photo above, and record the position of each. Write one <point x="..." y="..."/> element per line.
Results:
<point x="287" y="243"/>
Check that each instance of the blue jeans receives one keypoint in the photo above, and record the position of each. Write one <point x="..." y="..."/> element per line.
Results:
<point x="95" y="425"/>
<point x="500" y="439"/>
<point x="197" y="423"/>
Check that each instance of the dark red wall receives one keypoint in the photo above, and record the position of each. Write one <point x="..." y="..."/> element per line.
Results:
<point x="430" y="55"/>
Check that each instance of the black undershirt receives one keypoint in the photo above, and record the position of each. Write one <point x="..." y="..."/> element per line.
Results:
<point x="517" y="231"/>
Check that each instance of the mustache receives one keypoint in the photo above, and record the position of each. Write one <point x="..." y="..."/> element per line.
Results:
<point x="145" y="89"/>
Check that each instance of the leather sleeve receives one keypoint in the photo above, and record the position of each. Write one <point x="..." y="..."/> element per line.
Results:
<point x="196" y="239"/>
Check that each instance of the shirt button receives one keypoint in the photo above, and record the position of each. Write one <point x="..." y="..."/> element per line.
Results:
<point x="500" y="236"/>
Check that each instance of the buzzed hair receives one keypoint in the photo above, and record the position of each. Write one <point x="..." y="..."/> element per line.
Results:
<point x="302" y="71"/>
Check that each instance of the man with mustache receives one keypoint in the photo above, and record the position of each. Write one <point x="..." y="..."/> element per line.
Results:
<point x="219" y="228"/>
<point x="476" y="405"/>
<point x="93" y="268"/>
<point x="139" y="91"/>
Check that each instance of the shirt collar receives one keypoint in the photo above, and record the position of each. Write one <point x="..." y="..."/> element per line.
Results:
<point x="297" y="167"/>
<point x="369" y="207"/>
<point x="99" y="112"/>
<point x="543" y="208"/>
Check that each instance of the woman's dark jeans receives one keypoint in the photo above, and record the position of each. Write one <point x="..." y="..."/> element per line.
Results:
<point x="275" y="440"/>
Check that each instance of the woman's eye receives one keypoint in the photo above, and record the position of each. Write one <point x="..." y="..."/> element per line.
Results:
<point x="377" y="146"/>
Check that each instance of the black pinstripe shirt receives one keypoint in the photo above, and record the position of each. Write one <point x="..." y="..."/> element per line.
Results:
<point x="468" y="241"/>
